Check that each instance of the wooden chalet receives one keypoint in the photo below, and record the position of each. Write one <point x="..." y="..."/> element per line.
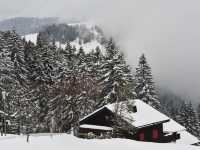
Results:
<point x="148" y="124"/>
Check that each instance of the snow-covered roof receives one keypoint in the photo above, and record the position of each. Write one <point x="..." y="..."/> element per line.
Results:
<point x="88" y="126"/>
<point x="172" y="126"/>
<point x="187" y="138"/>
<point x="145" y="115"/>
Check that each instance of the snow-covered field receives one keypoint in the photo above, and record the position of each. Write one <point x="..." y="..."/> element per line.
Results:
<point x="69" y="142"/>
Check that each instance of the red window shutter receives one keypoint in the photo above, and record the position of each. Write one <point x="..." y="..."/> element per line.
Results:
<point x="141" y="136"/>
<point x="155" y="134"/>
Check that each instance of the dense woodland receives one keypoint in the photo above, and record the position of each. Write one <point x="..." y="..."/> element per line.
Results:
<point x="48" y="89"/>
<point x="64" y="32"/>
<point x="26" y="25"/>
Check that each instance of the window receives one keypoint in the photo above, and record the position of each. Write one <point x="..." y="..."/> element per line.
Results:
<point x="141" y="136"/>
<point x="134" y="109"/>
<point x="155" y="134"/>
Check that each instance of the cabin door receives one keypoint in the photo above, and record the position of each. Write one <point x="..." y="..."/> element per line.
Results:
<point x="155" y="134"/>
<point x="141" y="136"/>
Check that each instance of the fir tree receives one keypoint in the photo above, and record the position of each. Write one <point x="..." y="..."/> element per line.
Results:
<point x="73" y="99"/>
<point x="192" y="120"/>
<point x="94" y="62"/>
<point x="145" y="87"/>
<point x="198" y="112"/>
<point x="44" y="71"/>
<point x="117" y="80"/>
<point x="182" y="115"/>
<point x="13" y="72"/>
<point x="189" y="119"/>
<point x="73" y="94"/>
<point x="68" y="56"/>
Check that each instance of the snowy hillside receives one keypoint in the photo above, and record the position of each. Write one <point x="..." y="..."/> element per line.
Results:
<point x="31" y="37"/>
<point x="26" y="25"/>
<point x="78" y="42"/>
<point x="64" y="142"/>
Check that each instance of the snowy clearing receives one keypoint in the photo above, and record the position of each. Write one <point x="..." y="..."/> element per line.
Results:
<point x="31" y="37"/>
<point x="86" y="46"/>
<point x="65" y="141"/>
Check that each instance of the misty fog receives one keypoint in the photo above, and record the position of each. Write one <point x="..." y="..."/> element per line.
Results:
<point x="166" y="31"/>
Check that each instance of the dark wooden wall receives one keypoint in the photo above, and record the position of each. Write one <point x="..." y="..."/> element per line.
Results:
<point x="101" y="118"/>
<point x="148" y="133"/>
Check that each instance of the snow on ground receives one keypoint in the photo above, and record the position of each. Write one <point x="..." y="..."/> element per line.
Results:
<point x="173" y="126"/>
<point x="69" y="142"/>
<point x="31" y="37"/>
<point x="187" y="138"/>
<point x="86" y="46"/>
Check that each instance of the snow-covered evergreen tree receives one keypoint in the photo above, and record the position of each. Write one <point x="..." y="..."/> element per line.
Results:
<point x="69" y="56"/>
<point x="145" y="87"/>
<point x="13" y="73"/>
<point x="198" y="113"/>
<point x="92" y="67"/>
<point x="71" y="97"/>
<point x="117" y="81"/>
<point x="189" y="119"/>
<point x="182" y="116"/>
<point x="192" y="120"/>
<point x="44" y="70"/>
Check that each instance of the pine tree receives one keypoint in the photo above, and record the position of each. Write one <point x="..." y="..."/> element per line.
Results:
<point x="145" y="87"/>
<point x="69" y="56"/>
<point x="198" y="112"/>
<point x="28" y="46"/>
<point x="44" y="71"/>
<point x="74" y="92"/>
<point x="188" y="118"/>
<point x="117" y="80"/>
<point x="93" y="62"/>
<point x="72" y="95"/>
<point x="81" y="56"/>
<point x="192" y="120"/>
<point x="13" y="72"/>
<point x="182" y="116"/>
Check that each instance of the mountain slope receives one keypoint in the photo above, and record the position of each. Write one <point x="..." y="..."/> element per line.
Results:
<point x="88" y="36"/>
<point x="26" y="25"/>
